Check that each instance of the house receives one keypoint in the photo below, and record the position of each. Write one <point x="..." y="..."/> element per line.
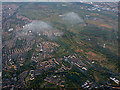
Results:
<point x="11" y="29"/>
<point x="0" y="74"/>
<point x="84" y="68"/>
<point x="31" y="75"/>
<point x="115" y="80"/>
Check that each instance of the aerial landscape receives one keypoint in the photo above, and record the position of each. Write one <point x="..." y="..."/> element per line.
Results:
<point x="60" y="45"/>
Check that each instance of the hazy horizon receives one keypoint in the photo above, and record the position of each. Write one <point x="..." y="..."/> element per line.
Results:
<point x="59" y="0"/>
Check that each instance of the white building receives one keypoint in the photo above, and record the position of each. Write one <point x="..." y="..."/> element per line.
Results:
<point x="11" y="29"/>
<point x="115" y="80"/>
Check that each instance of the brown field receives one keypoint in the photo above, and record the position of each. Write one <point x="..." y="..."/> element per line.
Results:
<point x="99" y="23"/>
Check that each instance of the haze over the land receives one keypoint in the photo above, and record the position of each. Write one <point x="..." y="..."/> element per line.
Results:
<point x="72" y="17"/>
<point x="59" y="0"/>
<point x="38" y="26"/>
